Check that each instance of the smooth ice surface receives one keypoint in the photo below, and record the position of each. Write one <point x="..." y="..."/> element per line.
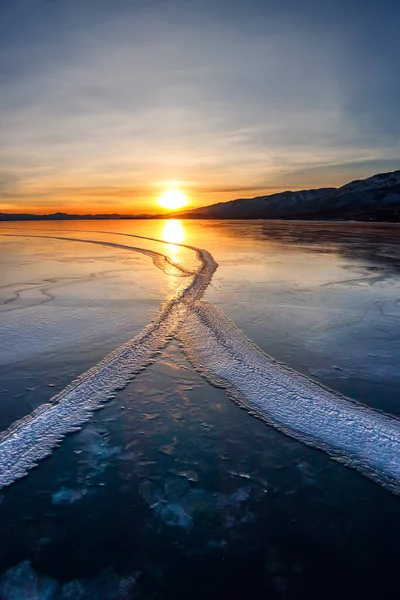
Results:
<point x="58" y="296"/>
<point x="261" y="507"/>
<point x="23" y="583"/>
<point x="362" y="438"/>
<point x="34" y="437"/>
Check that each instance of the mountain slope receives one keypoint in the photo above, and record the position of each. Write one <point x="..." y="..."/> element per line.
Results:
<point x="374" y="198"/>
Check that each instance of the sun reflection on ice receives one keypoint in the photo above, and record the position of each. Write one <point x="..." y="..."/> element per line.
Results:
<point x="173" y="233"/>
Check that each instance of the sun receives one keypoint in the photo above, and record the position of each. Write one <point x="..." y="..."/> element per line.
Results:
<point x="173" y="200"/>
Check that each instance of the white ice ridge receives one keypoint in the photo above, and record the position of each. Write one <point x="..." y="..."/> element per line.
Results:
<point x="33" y="438"/>
<point x="356" y="435"/>
<point x="162" y="261"/>
<point x="360" y="437"/>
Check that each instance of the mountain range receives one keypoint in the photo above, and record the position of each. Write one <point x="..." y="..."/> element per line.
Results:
<point x="376" y="198"/>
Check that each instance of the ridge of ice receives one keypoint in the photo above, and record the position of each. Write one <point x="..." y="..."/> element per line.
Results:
<point x="32" y="438"/>
<point x="360" y="437"/>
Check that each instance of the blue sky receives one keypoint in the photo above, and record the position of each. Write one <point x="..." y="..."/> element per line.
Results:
<point x="106" y="103"/>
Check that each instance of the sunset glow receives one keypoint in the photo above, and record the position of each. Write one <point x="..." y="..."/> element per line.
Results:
<point x="114" y="110"/>
<point x="173" y="200"/>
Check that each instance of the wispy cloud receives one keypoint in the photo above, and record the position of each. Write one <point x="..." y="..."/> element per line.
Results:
<point x="112" y="100"/>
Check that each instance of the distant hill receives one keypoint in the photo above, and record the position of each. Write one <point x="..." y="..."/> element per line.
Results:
<point x="65" y="217"/>
<point x="376" y="198"/>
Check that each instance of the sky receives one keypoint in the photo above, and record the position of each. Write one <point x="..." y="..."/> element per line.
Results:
<point x="105" y="104"/>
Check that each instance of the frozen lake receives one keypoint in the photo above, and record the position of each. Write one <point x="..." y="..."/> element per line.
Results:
<point x="173" y="490"/>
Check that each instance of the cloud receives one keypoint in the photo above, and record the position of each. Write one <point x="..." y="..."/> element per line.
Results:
<point x="130" y="95"/>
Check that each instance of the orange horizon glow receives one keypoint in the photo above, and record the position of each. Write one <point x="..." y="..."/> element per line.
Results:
<point x="105" y="107"/>
<point x="121" y="202"/>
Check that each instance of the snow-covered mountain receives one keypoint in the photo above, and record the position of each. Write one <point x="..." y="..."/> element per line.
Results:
<point x="375" y="198"/>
